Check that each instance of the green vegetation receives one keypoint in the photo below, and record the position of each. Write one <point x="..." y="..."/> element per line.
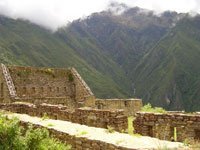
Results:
<point x="131" y="128"/>
<point x="119" y="141"/>
<point x="130" y="125"/>
<point x="49" y="72"/>
<point x="14" y="137"/>
<point x="70" y="77"/>
<point x="110" y="129"/>
<point x="193" y="144"/>
<point x="24" y="43"/>
<point x="175" y="134"/>
<point x="168" y="75"/>
<point x="116" y="56"/>
<point x="45" y="116"/>
<point x="149" y="108"/>
<point x="80" y="133"/>
<point x="50" y="125"/>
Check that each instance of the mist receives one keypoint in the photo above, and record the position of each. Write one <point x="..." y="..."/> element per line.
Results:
<point x="56" y="13"/>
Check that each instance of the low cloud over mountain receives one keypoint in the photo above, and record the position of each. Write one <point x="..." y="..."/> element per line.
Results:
<point x="55" y="13"/>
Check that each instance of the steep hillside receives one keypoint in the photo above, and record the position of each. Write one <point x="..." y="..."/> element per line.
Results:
<point x="168" y="75"/>
<point x="126" y="37"/>
<point x="23" y="43"/>
<point x="125" y="53"/>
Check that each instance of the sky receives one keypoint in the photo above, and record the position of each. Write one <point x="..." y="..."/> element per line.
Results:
<point x="56" y="13"/>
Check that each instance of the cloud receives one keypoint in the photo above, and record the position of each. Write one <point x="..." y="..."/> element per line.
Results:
<point x="55" y="13"/>
<point x="163" y="5"/>
<point x="50" y="13"/>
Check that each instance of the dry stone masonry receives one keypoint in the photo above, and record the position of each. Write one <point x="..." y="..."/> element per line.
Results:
<point x="87" y="116"/>
<point x="130" y="106"/>
<point x="163" y="126"/>
<point x="62" y="94"/>
<point x="55" y="86"/>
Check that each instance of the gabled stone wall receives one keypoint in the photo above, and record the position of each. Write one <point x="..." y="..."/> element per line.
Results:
<point x="58" y="86"/>
<point x="42" y="82"/>
<point x="162" y="125"/>
<point x="4" y="93"/>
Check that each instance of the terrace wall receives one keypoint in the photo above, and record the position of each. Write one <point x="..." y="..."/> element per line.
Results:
<point x="162" y="125"/>
<point x="130" y="106"/>
<point x="87" y="116"/>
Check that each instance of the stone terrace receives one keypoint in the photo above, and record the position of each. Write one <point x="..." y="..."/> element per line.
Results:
<point x="83" y="137"/>
<point x="162" y="125"/>
<point x="87" y="116"/>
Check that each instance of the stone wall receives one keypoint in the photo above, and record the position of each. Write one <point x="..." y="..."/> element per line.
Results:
<point x="80" y="143"/>
<point x="162" y="125"/>
<point x="42" y="82"/>
<point x="58" y="86"/>
<point x="82" y="90"/>
<point x="130" y="106"/>
<point x="87" y="116"/>
<point x="36" y="84"/>
<point x="4" y="93"/>
<point x="69" y="103"/>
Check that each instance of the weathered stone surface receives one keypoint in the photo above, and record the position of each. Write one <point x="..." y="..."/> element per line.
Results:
<point x="162" y="125"/>
<point x="130" y="106"/>
<point x="87" y="116"/>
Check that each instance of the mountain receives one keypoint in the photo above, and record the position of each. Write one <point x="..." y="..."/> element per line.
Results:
<point x="120" y="52"/>
<point x="24" y="43"/>
<point x="169" y="73"/>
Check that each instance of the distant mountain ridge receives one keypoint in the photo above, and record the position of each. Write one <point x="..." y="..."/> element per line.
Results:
<point x="120" y="52"/>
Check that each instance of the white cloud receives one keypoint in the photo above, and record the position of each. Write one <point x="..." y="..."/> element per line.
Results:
<point x="55" y="13"/>
<point x="162" y="5"/>
<point x="50" y="13"/>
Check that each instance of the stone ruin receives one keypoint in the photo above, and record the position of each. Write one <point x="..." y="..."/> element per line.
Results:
<point x="164" y="126"/>
<point x="65" y="94"/>
<point x="62" y="94"/>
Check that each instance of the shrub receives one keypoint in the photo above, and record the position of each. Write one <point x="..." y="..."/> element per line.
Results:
<point x="14" y="137"/>
<point x="149" y="108"/>
<point x="70" y="78"/>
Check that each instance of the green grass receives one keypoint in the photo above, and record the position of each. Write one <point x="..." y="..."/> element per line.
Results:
<point x="81" y="133"/>
<point x="148" y="108"/>
<point x="130" y="125"/>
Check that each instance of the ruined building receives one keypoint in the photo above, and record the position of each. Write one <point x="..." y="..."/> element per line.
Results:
<point x="62" y="94"/>
<point x="55" y="86"/>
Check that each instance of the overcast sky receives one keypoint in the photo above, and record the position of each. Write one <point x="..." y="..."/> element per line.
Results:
<point x="55" y="13"/>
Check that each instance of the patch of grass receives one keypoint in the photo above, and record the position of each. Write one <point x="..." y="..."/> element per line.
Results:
<point x="50" y="125"/>
<point x="163" y="148"/>
<point x="119" y="141"/>
<point x="193" y="144"/>
<point x="82" y="133"/>
<point x="148" y="108"/>
<point x="45" y="116"/>
<point x="110" y="129"/>
<point x="130" y="125"/>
